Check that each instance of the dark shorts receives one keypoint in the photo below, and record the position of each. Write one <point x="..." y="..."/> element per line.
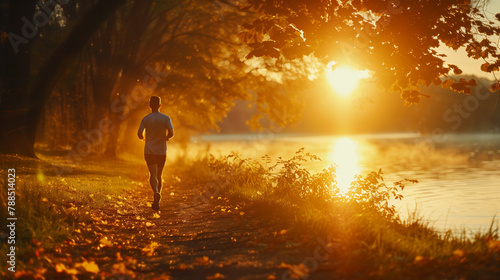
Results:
<point x="155" y="159"/>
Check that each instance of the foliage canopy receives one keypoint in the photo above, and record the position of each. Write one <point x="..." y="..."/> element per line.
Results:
<point x="396" y="40"/>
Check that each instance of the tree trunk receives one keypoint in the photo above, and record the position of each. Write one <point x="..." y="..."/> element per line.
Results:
<point x="16" y="52"/>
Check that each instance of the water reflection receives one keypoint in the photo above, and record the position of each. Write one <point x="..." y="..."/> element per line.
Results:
<point x="459" y="182"/>
<point x="344" y="153"/>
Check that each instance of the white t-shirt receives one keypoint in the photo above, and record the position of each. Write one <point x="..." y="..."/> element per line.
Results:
<point x="156" y="125"/>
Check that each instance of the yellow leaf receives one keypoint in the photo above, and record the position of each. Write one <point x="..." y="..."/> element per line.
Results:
<point x="90" y="267"/>
<point x="271" y="277"/>
<point x="149" y="250"/>
<point x="447" y="83"/>
<point x="61" y="268"/>
<point x="203" y="260"/>
<point x="121" y="269"/>
<point x="283" y="232"/>
<point x="284" y="265"/>
<point x="242" y="213"/>
<point x="104" y="242"/>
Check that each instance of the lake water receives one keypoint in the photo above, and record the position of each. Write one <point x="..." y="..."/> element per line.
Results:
<point x="459" y="175"/>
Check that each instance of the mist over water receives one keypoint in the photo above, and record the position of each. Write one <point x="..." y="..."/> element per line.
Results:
<point x="459" y="178"/>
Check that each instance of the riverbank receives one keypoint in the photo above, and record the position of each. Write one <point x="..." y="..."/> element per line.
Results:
<point x="226" y="217"/>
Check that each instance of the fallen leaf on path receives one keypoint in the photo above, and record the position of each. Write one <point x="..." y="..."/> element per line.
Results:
<point x="104" y="242"/>
<point x="296" y="271"/>
<point x="203" y="260"/>
<point x="121" y="269"/>
<point x="149" y="250"/>
<point x="299" y="271"/>
<point x="271" y="277"/>
<point x="162" y="277"/>
<point x="215" y="276"/>
<point x="61" y="268"/>
<point x="184" y="266"/>
<point x="90" y="267"/>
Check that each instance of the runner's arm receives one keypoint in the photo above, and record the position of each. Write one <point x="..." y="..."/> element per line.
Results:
<point x="140" y="132"/>
<point x="170" y="129"/>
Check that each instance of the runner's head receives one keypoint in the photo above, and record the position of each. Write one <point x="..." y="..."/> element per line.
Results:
<point x="155" y="102"/>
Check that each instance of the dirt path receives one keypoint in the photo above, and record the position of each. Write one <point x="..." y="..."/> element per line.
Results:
<point x="214" y="240"/>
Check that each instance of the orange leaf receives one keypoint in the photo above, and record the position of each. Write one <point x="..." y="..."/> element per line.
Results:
<point x="494" y="87"/>
<point x="61" y="268"/>
<point x="215" y="276"/>
<point x="91" y="267"/>
<point x="447" y="83"/>
<point x="149" y="250"/>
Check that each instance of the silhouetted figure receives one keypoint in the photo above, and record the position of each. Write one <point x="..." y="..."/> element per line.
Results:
<point x="155" y="150"/>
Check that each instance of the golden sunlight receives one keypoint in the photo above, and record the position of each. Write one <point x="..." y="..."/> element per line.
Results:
<point x="343" y="79"/>
<point x="345" y="155"/>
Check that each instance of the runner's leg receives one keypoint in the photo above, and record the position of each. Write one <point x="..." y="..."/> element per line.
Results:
<point x="159" y="176"/>
<point x="153" y="179"/>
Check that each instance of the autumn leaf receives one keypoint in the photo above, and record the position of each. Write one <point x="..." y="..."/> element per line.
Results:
<point x="484" y="67"/>
<point x="447" y="83"/>
<point x="299" y="271"/>
<point x="495" y="87"/>
<point x="203" y="260"/>
<point x="121" y="269"/>
<point x="149" y="249"/>
<point x="61" y="268"/>
<point x="215" y="276"/>
<point x="90" y="267"/>
<point x="104" y="242"/>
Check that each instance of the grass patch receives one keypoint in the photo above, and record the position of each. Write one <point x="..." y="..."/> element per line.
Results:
<point x="48" y="207"/>
<point x="365" y="236"/>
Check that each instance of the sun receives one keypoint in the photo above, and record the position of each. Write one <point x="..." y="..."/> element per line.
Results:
<point x="344" y="79"/>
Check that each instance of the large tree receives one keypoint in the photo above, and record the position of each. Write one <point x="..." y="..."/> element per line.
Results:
<point x="191" y="44"/>
<point x="21" y="112"/>
<point x="396" y="40"/>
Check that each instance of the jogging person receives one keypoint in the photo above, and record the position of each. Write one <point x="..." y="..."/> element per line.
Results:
<point x="156" y="125"/>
